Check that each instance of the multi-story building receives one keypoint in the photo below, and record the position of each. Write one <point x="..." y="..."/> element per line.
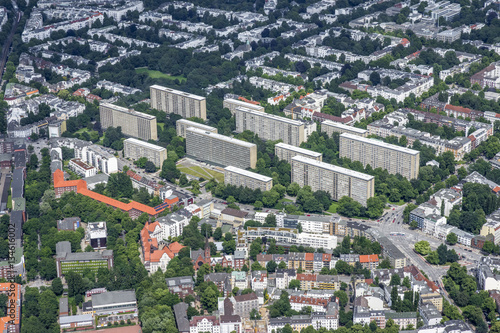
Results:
<point x="244" y="304"/>
<point x="220" y="149"/>
<point x="378" y="154"/>
<point x="135" y="149"/>
<point x="333" y="179"/>
<point x="182" y="124"/>
<point x="81" y="168"/>
<point x="271" y="127"/>
<point x="98" y="157"/>
<point x="136" y="124"/>
<point x="330" y="127"/>
<point x="178" y="102"/>
<point x="80" y="261"/>
<point x="97" y="234"/>
<point x="204" y="324"/>
<point x="112" y="302"/>
<point x="389" y="250"/>
<point x="287" y="152"/>
<point x="232" y="104"/>
<point x="240" y="177"/>
<point x="288" y="237"/>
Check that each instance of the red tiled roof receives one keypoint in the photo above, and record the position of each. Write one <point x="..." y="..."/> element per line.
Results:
<point x="309" y="256"/>
<point x="309" y="301"/>
<point x="306" y="277"/>
<point x="175" y="247"/>
<point x="368" y="258"/>
<point x="457" y="108"/>
<point x="496" y="189"/>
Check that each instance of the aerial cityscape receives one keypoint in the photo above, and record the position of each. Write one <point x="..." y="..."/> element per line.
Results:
<point x="251" y="166"/>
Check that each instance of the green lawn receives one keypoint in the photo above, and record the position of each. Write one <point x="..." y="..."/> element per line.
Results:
<point x="197" y="171"/>
<point x="162" y="125"/>
<point x="333" y="207"/>
<point x="399" y="203"/>
<point x="158" y="75"/>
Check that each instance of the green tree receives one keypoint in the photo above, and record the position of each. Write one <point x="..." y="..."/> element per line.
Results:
<point x="208" y="299"/>
<point x="423" y="247"/>
<point x="271" y="266"/>
<point x="451" y="238"/>
<point x="343" y="298"/>
<point x="57" y="286"/>
<point x="294" y="284"/>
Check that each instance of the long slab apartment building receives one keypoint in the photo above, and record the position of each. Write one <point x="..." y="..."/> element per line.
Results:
<point x="394" y="159"/>
<point x="240" y="177"/>
<point x="330" y="127"/>
<point x="287" y="152"/>
<point x="232" y="104"/>
<point x="135" y="149"/>
<point x="220" y="149"/>
<point x="333" y="179"/>
<point x="179" y="102"/>
<point x="136" y="124"/>
<point x="270" y="127"/>
<point x="182" y="124"/>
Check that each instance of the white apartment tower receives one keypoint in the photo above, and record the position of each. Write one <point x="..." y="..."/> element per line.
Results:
<point x="241" y="177"/>
<point x="135" y="149"/>
<point x="136" y="124"/>
<point x="178" y="102"/>
<point x="287" y="152"/>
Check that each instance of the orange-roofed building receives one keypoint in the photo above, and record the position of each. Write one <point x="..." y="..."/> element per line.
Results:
<point x="175" y="247"/>
<point x="11" y="322"/>
<point x="307" y="281"/>
<point x="369" y="261"/>
<point x="317" y="304"/>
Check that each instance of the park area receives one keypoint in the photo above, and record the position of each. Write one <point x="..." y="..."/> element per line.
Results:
<point x="189" y="168"/>
<point x="158" y="75"/>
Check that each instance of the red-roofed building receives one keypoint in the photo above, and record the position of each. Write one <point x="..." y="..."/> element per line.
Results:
<point x="458" y="111"/>
<point x="405" y="42"/>
<point x="91" y="98"/>
<point x="317" y="304"/>
<point x="11" y="322"/>
<point x="369" y="261"/>
<point x="307" y="281"/>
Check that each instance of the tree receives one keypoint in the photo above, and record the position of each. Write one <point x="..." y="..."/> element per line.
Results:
<point x="423" y="247"/>
<point x="149" y="167"/>
<point x="271" y="266"/>
<point x="375" y="78"/>
<point x="209" y="299"/>
<point x="395" y="280"/>
<point x="451" y="238"/>
<point x="343" y="298"/>
<point x="120" y="185"/>
<point x="294" y="284"/>
<point x="57" y="286"/>
<point x="255" y="315"/>
<point x="282" y="265"/>
<point x="217" y="234"/>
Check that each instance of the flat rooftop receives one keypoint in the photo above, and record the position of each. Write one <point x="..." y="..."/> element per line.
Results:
<point x="270" y="116"/>
<point x="144" y="144"/>
<point x="195" y="124"/>
<point x="379" y="143"/>
<point x="221" y="137"/>
<point x="247" y="173"/>
<point x="298" y="149"/>
<point x="343" y="126"/>
<point x="244" y="104"/>
<point x="177" y="92"/>
<point x="125" y="110"/>
<point x="333" y="168"/>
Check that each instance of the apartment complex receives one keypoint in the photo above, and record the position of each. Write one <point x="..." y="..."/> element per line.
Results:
<point x="232" y="104"/>
<point x="287" y="152"/>
<point x="330" y="127"/>
<point x="270" y="127"/>
<point x="240" y="177"/>
<point x="133" y="123"/>
<point x="178" y="102"/>
<point x="333" y="179"/>
<point x="135" y="149"/>
<point x="182" y="124"/>
<point x="220" y="149"/>
<point x="394" y="159"/>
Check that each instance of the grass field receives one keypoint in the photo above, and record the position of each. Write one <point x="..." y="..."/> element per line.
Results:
<point x="333" y="207"/>
<point x="197" y="171"/>
<point x="158" y="75"/>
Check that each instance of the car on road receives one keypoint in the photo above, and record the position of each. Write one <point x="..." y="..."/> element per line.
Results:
<point x="393" y="220"/>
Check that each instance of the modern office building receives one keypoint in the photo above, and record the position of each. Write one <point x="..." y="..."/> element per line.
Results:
<point x="270" y="127"/>
<point x="220" y="149"/>
<point x="135" y="149"/>
<point x="232" y="104"/>
<point x="182" y="124"/>
<point x="394" y="159"/>
<point x="178" y="102"/>
<point x="333" y="179"/>
<point x="80" y="261"/>
<point x="329" y="127"/>
<point x="241" y="177"/>
<point x="137" y="124"/>
<point x="96" y="235"/>
<point x="287" y="152"/>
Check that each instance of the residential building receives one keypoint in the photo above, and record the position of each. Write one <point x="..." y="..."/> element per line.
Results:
<point x="79" y="262"/>
<point x="97" y="156"/>
<point x="331" y="127"/>
<point x="288" y="237"/>
<point x="317" y="304"/>
<point x="220" y="149"/>
<point x="69" y="223"/>
<point x="333" y="179"/>
<point x="204" y="324"/>
<point x="243" y="304"/>
<point x="181" y="319"/>
<point x="81" y="168"/>
<point x="182" y="124"/>
<point x="136" y="124"/>
<point x="11" y="323"/>
<point x="390" y="251"/>
<point x="113" y="302"/>
<point x="430" y="314"/>
<point x="485" y="273"/>
<point x="369" y="261"/>
<point x="286" y="152"/>
<point x="135" y="149"/>
<point x="232" y="104"/>
<point x="240" y="177"/>
<point x="178" y="102"/>
<point x="271" y="127"/>
<point x="447" y="198"/>
<point x="378" y="154"/>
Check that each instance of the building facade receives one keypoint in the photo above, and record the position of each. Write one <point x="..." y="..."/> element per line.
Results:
<point x="220" y="149"/>
<point x="240" y="177"/>
<point x="178" y="102"/>
<point x="287" y="152"/>
<point x="330" y="127"/>
<point x="182" y="124"/>
<point x="136" y="124"/>
<point x="232" y="104"/>
<point x="333" y="179"/>
<point x="135" y="149"/>
<point x="394" y="159"/>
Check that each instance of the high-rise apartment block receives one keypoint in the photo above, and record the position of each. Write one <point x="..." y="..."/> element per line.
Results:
<point x="220" y="149"/>
<point x="241" y="177"/>
<point x="394" y="159"/>
<point x="333" y="179"/>
<point x="330" y="127"/>
<point x="232" y="104"/>
<point x="287" y="152"/>
<point x="178" y="102"/>
<point x="137" y="124"/>
<point x="270" y="127"/>
<point x="182" y="124"/>
<point x="135" y="149"/>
